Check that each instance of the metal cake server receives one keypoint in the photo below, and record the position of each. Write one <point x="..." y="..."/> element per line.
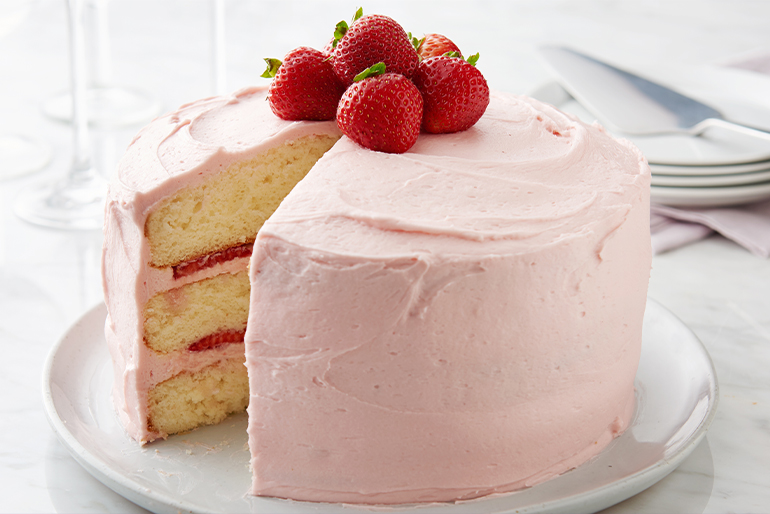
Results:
<point x="628" y="103"/>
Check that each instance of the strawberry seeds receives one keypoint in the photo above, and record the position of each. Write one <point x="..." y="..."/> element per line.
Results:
<point x="381" y="85"/>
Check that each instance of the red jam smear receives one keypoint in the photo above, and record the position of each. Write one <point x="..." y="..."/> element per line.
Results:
<point x="207" y="261"/>
<point x="218" y="339"/>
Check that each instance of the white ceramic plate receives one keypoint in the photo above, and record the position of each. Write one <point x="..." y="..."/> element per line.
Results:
<point x="727" y="169"/>
<point x="737" y="179"/>
<point x="741" y="95"/>
<point x="709" y="196"/>
<point x="207" y="470"/>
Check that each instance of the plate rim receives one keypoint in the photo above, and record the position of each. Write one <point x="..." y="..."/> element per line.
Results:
<point x="683" y="170"/>
<point x="717" y="196"/>
<point x="708" y="181"/>
<point x="158" y="501"/>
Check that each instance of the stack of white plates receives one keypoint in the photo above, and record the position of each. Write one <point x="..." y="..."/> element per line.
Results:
<point x="718" y="168"/>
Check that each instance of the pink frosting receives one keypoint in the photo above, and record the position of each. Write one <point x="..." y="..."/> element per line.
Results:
<point x="460" y="320"/>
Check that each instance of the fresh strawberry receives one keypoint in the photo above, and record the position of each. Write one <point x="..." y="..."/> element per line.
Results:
<point x="372" y="39"/>
<point x="329" y="48"/>
<point x="381" y="112"/>
<point x="304" y="87"/>
<point x="435" y="45"/>
<point x="454" y="92"/>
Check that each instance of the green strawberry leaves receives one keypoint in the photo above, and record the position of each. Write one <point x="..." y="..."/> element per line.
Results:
<point x="371" y="71"/>
<point x="416" y="42"/>
<point x="272" y="67"/>
<point x="342" y="27"/>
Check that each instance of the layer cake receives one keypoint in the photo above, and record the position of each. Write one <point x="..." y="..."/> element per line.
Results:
<point x="459" y="320"/>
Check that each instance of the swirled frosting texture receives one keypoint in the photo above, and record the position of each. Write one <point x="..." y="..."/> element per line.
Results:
<point x="460" y="320"/>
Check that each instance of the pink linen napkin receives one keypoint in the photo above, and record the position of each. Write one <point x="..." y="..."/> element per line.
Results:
<point x="759" y="62"/>
<point x="747" y="225"/>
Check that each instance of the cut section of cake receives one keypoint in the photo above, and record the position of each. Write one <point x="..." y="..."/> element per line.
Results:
<point x="181" y="220"/>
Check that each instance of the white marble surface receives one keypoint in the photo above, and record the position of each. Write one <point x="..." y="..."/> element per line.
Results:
<point x="49" y="278"/>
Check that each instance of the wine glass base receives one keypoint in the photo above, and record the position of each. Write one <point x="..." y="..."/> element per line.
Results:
<point x="106" y="106"/>
<point x="20" y="155"/>
<point x="64" y="204"/>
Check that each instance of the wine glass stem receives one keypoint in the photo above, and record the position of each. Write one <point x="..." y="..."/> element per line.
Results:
<point x="218" y="46"/>
<point x="82" y="169"/>
<point x="102" y="65"/>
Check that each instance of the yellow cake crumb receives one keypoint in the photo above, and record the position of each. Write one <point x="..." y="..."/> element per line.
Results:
<point x="190" y="400"/>
<point x="227" y="210"/>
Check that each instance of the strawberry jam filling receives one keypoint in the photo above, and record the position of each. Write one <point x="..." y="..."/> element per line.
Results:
<point x="208" y="261"/>
<point x="216" y="340"/>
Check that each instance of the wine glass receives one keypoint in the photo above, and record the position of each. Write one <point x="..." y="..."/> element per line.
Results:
<point x="219" y="79"/>
<point x="75" y="201"/>
<point x="19" y="154"/>
<point x="109" y="105"/>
